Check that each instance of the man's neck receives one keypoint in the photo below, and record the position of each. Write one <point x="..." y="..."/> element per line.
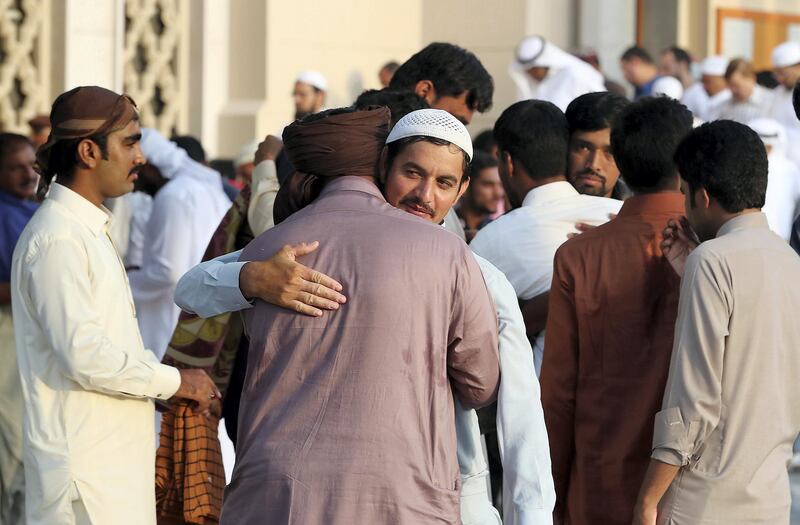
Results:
<point x="471" y="216"/>
<point x="651" y="76"/>
<point x="724" y="218"/>
<point x="537" y="183"/>
<point x="80" y="184"/>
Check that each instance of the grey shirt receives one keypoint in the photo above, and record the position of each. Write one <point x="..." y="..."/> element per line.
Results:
<point x="731" y="409"/>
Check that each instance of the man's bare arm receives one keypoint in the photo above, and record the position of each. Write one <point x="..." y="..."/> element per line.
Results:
<point x="534" y="311"/>
<point x="657" y="480"/>
<point x="5" y="293"/>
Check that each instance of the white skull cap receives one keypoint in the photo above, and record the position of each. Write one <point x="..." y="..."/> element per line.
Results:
<point x="786" y="54"/>
<point x="313" y="78"/>
<point x="434" y="123"/>
<point x="715" y="66"/>
<point x="668" y="87"/>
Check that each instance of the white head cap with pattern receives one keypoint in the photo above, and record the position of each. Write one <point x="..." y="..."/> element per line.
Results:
<point x="434" y="123"/>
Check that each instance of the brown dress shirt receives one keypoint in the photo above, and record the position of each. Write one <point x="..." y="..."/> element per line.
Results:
<point x="348" y="418"/>
<point x="613" y="305"/>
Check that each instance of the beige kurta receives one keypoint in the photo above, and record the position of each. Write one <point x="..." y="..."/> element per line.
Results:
<point x="88" y="425"/>
<point x="732" y="405"/>
<point x="348" y="418"/>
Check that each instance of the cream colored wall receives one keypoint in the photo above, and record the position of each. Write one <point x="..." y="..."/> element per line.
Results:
<point x="346" y="40"/>
<point x="492" y="31"/>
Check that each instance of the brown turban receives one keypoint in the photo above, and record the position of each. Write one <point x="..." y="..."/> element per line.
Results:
<point x="84" y="112"/>
<point x="330" y="144"/>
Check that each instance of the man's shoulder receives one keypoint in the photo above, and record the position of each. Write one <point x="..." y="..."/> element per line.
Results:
<point x="50" y="225"/>
<point x="600" y="203"/>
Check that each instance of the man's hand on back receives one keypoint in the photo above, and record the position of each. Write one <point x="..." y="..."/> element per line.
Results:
<point x="284" y="282"/>
<point x="679" y="241"/>
<point x="198" y="387"/>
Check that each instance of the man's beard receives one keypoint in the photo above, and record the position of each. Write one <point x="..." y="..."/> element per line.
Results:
<point x="599" y="191"/>
<point x="298" y="114"/>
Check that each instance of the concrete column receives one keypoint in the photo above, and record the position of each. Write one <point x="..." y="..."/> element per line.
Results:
<point x="609" y="27"/>
<point x="87" y="44"/>
<point x="246" y="70"/>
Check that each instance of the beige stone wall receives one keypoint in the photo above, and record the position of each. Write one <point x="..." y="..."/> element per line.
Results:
<point x="492" y="31"/>
<point x="346" y="40"/>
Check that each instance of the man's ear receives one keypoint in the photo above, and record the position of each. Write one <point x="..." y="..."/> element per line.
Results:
<point x="463" y="189"/>
<point x="383" y="169"/>
<point x="508" y="163"/>
<point x="703" y="199"/>
<point x="425" y="89"/>
<point x="88" y="153"/>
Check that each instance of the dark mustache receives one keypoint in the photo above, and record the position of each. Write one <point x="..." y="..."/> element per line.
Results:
<point x="589" y="171"/>
<point x="135" y="170"/>
<point x="419" y="204"/>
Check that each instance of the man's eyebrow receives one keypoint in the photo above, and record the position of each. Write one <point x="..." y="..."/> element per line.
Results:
<point x="136" y="137"/>
<point x="410" y="164"/>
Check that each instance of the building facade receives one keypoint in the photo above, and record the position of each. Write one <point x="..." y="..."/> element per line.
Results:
<point x="223" y="70"/>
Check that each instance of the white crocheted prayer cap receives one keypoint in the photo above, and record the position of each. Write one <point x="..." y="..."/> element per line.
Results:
<point x="715" y="66"/>
<point x="668" y="87"/>
<point x="786" y="54"/>
<point x="313" y="78"/>
<point x="432" y="123"/>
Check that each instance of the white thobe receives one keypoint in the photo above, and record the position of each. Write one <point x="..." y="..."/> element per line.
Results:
<point x="757" y="106"/>
<point x="782" y="110"/>
<point x="86" y="377"/>
<point x="264" y="188"/>
<point x="523" y="242"/>
<point x="212" y="288"/>
<point x="568" y="79"/>
<point x="701" y="105"/>
<point x="783" y="194"/>
<point x="186" y="212"/>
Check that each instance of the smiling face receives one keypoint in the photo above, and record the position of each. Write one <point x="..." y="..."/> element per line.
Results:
<point x="592" y="169"/>
<point x="426" y="180"/>
<point x="17" y="176"/>
<point x="117" y="172"/>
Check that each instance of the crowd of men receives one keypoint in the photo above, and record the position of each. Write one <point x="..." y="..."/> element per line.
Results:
<point x="612" y="344"/>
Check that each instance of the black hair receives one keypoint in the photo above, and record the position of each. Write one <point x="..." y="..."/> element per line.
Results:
<point x="729" y="161"/>
<point x="10" y="142"/>
<point x="766" y="79"/>
<point x="393" y="149"/>
<point x="480" y="161"/>
<point x="680" y="54"/>
<point x="63" y="157"/>
<point x="796" y="100"/>
<point x="452" y="70"/>
<point x="484" y="141"/>
<point x="637" y="52"/>
<point x="644" y="138"/>
<point x="400" y="103"/>
<point x="535" y="134"/>
<point x="594" y="111"/>
<point x="192" y="146"/>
